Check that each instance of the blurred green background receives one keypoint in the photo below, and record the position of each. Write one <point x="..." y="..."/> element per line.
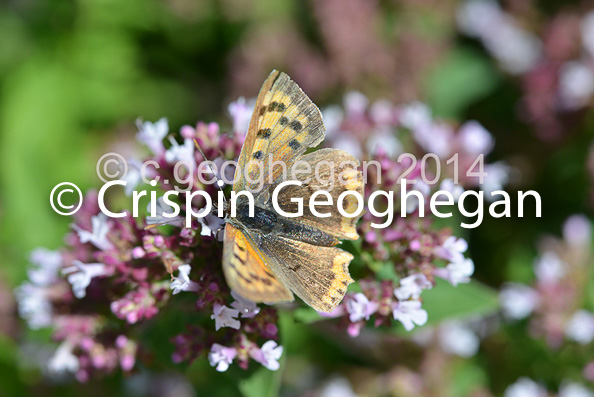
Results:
<point x="75" y="75"/>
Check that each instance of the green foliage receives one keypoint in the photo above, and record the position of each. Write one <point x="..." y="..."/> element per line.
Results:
<point x="459" y="80"/>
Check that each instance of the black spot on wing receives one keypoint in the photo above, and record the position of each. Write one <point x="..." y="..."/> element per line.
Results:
<point x="296" y="125"/>
<point x="281" y="107"/>
<point x="258" y="155"/>
<point x="295" y="268"/>
<point x="272" y="107"/>
<point x="262" y="110"/>
<point x="294" y="144"/>
<point x="284" y="120"/>
<point x="265" y="133"/>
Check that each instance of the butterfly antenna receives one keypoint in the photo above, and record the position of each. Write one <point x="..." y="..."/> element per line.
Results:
<point x="219" y="182"/>
<point x="154" y="225"/>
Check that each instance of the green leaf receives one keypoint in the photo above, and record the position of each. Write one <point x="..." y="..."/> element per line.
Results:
<point x="306" y="315"/>
<point x="462" y="78"/>
<point x="446" y="301"/>
<point x="263" y="382"/>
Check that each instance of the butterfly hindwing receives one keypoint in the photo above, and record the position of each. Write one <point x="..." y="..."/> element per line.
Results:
<point x="284" y="124"/>
<point x="334" y="171"/>
<point x="318" y="275"/>
<point x="246" y="271"/>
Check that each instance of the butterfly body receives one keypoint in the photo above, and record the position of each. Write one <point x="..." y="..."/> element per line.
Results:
<point x="267" y="257"/>
<point x="266" y="222"/>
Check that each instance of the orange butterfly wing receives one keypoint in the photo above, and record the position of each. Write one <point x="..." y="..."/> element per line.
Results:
<point x="247" y="273"/>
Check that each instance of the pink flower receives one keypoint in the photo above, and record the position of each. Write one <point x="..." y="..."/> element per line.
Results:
<point x="241" y="113"/>
<point x="474" y="138"/>
<point x="221" y="357"/>
<point x="268" y="355"/>
<point x="246" y="308"/>
<point x="360" y="308"/>
<point x="225" y="317"/>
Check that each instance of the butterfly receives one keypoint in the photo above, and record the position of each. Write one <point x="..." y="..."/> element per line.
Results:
<point x="269" y="257"/>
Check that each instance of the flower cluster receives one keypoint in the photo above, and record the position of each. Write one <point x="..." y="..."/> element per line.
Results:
<point x="116" y="278"/>
<point x="557" y="67"/>
<point x="412" y="248"/>
<point x="555" y="301"/>
<point x="526" y="387"/>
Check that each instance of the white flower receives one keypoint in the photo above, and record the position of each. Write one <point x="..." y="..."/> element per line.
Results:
<point x="477" y="17"/>
<point x="516" y="50"/>
<point x="98" y="237"/>
<point x="518" y="301"/>
<point x="48" y="263"/>
<point x="549" y="268"/>
<point x="576" y="84"/>
<point x="81" y="274"/>
<point x="63" y="360"/>
<point x="241" y="113"/>
<point x="349" y="144"/>
<point x="333" y="117"/>
<point x="360" y="308"/>
<point x="412" y="203"/>
<point x="577" y="231"/>
<point x="337" y="387"/>
<point x="160" y="209"/>
<point x="268" y="355"/>
<point x="409" y="313"/>
<point x="572" y="389"/>
<point x="453" y="249"/>
<point x="525" y="387"/>
<point x="449" y="186"/>
<point x="385" y="140"/>
<point x="414" y="115"/>
<point x="152" y="134"/>
<point x="474" y="138"/>
<point x="457" y="272"/>
<point x="497" y="176"/>
<point x="179" y="152"/>
<point x="225" y="317"/>
<point x="182" y="282"/>
<point x="227" y="166"/>
<point x="382" y="112"/>
<point x="355" y="104"/>
<point x="34" y="305"/>
<point x="435" y="138"/>
<point x="246" y="308"/>
<point x="211" y="225"/>
<point x="581" y="327"/>
<point x="133" y="177"/>
<point x="412" y="286"/>
<point x="456" y="338"/>
<point x="221" y="356"/>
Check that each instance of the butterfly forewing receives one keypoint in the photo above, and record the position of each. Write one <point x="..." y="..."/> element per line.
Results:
<point x="284" y="124"/>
